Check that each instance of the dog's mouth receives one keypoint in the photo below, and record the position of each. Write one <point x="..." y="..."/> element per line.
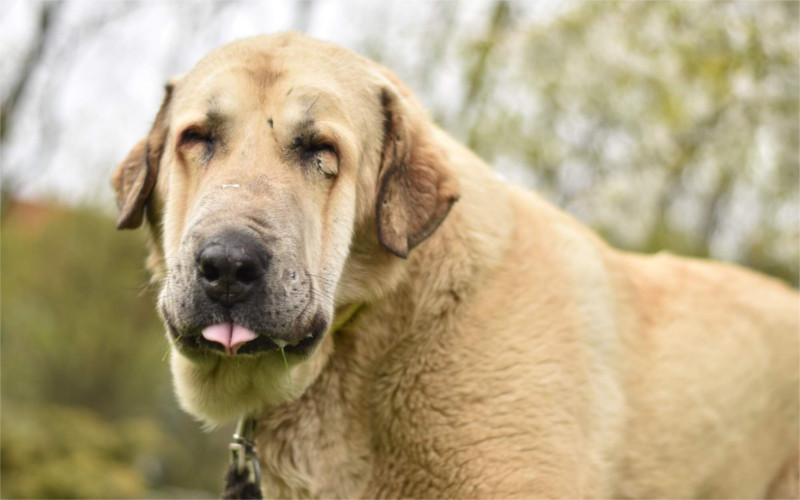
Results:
<point x="232" y="339"/>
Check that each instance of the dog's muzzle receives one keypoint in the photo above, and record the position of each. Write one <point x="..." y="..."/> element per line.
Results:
<point x="243" y="292"/>
<point x="230" y="265"/>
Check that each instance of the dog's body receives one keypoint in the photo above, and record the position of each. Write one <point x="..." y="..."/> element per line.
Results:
<point x="533" y="360"/>
<point x="511" y="353"/>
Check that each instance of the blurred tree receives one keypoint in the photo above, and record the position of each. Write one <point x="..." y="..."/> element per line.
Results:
<point x="479" y="77"/>
<point x="11" y="95"/>
<point x="88" y="409"/>
<point x="63" y="452"/>
<point x="76" y="307"/>
<point x="665" y="125"/>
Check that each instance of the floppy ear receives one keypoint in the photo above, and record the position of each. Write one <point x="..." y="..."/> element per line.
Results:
<point x="135" y="177"/>
<point x="415" y="185"/>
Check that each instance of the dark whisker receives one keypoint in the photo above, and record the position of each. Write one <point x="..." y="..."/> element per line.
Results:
<point x="322" y="297"/>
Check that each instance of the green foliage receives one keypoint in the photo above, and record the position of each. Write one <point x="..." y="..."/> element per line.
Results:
<point x="664" y="125"/>
<point x="87" y="406"/>
<point x="74" y="302"/>
<point x="63" y="452"/>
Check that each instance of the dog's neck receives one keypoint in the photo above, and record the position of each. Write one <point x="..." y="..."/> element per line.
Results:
<point x="331" y="441"/>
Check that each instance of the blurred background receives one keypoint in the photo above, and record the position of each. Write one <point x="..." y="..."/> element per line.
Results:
<point x="663" y="125"/>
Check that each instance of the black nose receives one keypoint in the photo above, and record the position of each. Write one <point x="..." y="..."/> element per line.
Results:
<point x="229" y="265"/>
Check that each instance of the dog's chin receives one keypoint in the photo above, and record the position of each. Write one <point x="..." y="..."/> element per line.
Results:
<point x="218" y="389"/>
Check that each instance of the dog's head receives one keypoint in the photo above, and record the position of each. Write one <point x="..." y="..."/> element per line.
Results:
<point x="275" y="169"/>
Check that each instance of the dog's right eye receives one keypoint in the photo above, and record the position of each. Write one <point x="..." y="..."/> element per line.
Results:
<point x="193" y="138"/>
<point x="193" y="135"/>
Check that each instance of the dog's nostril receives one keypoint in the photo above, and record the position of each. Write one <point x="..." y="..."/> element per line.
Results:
<point x="209" y="271"/>
<point x="246" y="272"/>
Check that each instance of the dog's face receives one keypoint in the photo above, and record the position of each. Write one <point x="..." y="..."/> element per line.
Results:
<point x="266" y="163"/>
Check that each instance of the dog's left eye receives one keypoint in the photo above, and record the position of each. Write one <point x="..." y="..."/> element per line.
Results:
<point x="321" y="157"/>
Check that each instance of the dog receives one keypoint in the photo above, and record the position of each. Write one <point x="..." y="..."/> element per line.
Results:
<point x="402" y="323"/>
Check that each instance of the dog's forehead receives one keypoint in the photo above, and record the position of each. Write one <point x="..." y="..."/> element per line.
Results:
<point x="245" y="78"/>
<point x="272" y="71"/>
<point x="267" y="59"/>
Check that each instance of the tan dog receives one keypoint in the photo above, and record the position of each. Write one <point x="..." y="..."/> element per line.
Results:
<point x="498" y="350"/>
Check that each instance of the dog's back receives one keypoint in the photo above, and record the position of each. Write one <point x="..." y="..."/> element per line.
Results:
<point x="690" y="368"/>
<point x="712" y="379"/>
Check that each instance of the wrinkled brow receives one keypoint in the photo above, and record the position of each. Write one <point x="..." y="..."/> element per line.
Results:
<point x="318" y="101"/>
<point x="314" y="103"/>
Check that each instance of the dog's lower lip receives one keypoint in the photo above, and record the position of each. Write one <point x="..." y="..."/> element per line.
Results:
<point x="261" y="344"/>
<point x="304" y="345"/>
<point x="192" y="340"/>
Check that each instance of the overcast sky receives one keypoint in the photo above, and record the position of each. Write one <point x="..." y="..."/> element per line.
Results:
<point x="100" y="80"/>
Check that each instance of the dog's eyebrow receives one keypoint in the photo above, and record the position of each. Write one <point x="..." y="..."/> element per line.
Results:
<point x="214" y="114"/>
<point x="303" y="132"/>
<point x="215" y="118"/>
<point x="218" y="104"/>
<point x="315" y="99"/>
<point x="312" y="103"/>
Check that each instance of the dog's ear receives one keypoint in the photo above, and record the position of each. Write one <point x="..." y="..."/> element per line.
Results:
<point x="416" y="187"/>
<point x="135" y="177"/>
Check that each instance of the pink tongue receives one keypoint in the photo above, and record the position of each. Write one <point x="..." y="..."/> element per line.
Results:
<point x="229" y="335"/>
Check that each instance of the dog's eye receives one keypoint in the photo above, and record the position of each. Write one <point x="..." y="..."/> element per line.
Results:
<point x="195" y="137"/>
<point x="321" y="157"/>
